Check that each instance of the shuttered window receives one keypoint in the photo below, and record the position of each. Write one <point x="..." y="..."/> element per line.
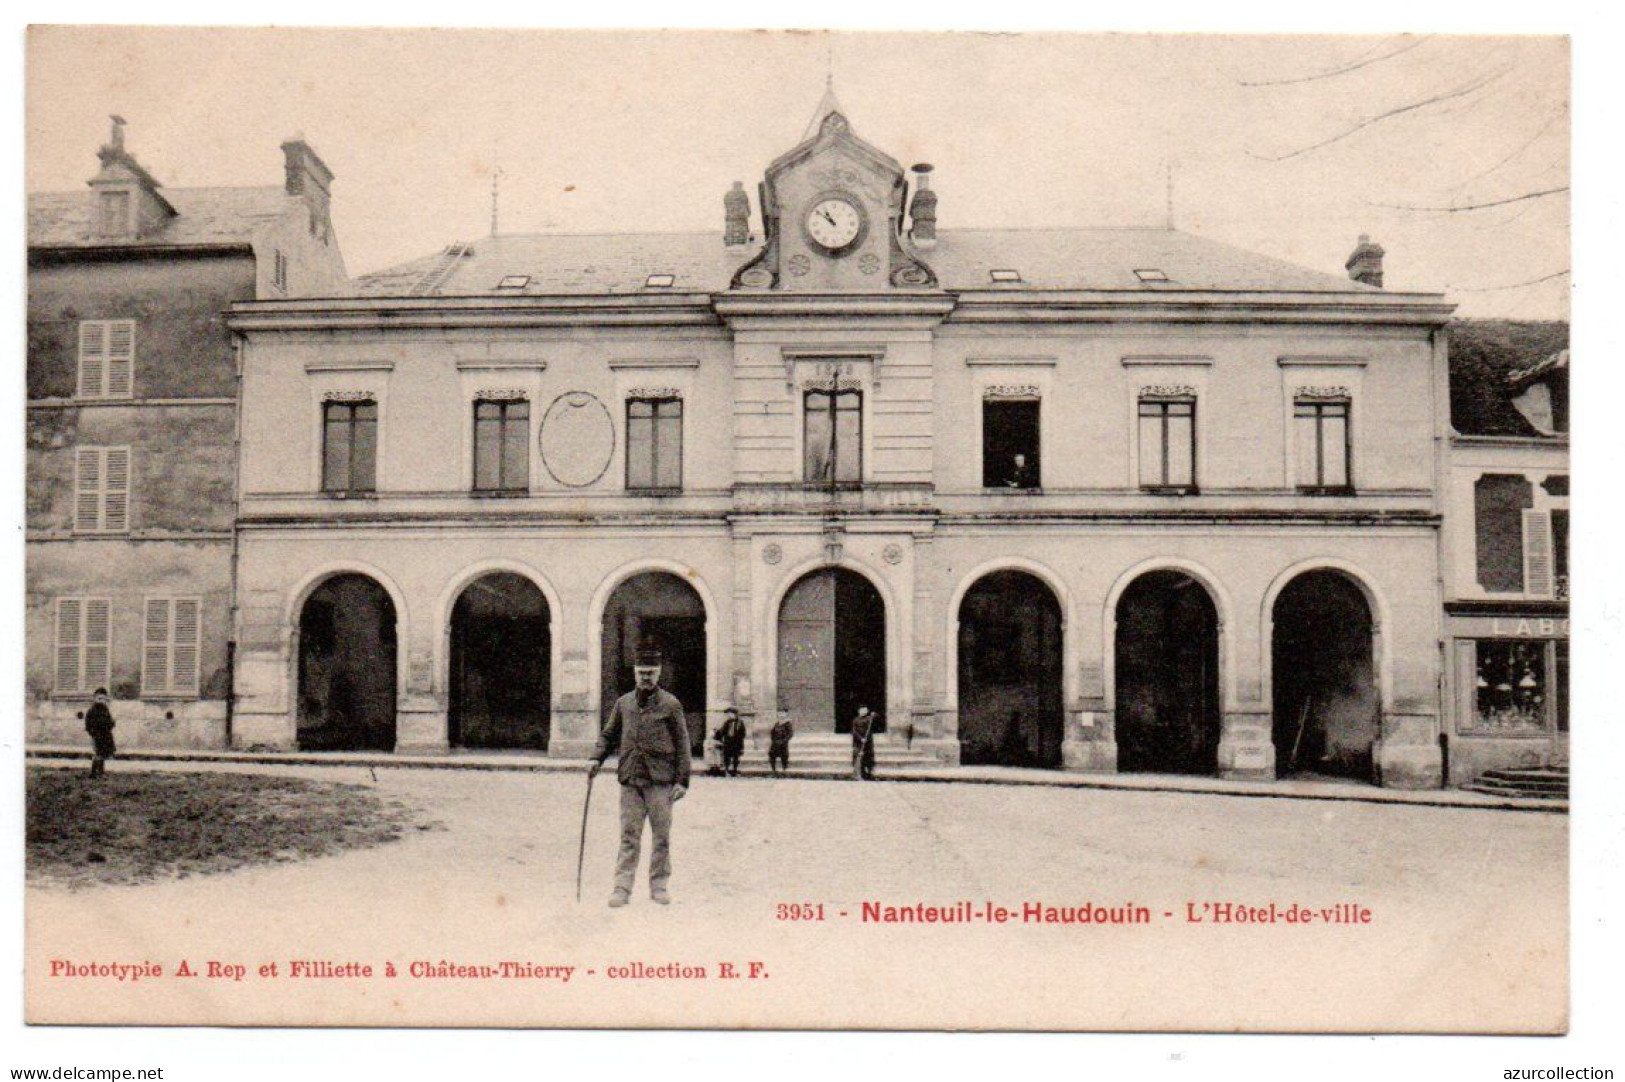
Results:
<point x="83" y="651"/>
<point x="1538" y="572"/>
<point x="106" y="358"/>
<point x="101" y="490"/>
<point x="170" y="644"/>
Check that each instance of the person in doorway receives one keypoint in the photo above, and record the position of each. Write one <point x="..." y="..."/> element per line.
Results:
<point x="99" y="724"/>
<point x="732" y="735"/>
<point x="863" y="744"/>
<point x="778" y="744"/>
<point x="647" y="725"/>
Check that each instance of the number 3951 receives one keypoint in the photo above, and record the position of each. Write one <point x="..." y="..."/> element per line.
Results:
<point x="800" y="910"/>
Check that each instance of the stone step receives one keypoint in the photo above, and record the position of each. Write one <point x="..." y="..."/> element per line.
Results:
<point x="1526" y="793"/>
<point x="1507" y="785"/>
<point x="1542" y="773"/>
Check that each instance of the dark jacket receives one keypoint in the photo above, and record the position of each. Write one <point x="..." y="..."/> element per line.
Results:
<point x="99" y="724"/>
<point x="732" y="735"/>
<point x="653" y="740"/>
<point x="779" y="736"/>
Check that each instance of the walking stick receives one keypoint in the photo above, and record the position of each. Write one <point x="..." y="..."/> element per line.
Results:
<point x="581" y="854"/>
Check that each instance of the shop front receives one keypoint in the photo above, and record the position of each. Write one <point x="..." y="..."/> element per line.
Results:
<point x="1510" y="709"/>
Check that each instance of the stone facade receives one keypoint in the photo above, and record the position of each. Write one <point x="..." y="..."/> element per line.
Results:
<point x="750" y="348"/>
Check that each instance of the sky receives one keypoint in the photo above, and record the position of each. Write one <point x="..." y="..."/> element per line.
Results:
<point x="1268" y="143"/>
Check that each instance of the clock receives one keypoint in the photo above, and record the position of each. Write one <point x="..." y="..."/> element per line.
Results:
<point x="835" y="224"/>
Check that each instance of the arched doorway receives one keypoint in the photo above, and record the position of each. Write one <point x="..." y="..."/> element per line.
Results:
<point x="1166" y="668"/>
<point x="1010" y="672"/>
<point x="347" y="667"/>
<point x="1327" y="707"/>
<point x="657" y="609"/>
<point x="500" y="648"/>
<point x="832" y="651"/>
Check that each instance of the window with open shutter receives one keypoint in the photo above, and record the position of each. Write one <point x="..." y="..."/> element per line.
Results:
<point x="170" y="648"/>
<point x="1537" y="553"/>
<point x="83" y="646"/>
<point x="101" y="489"/>
<point x="106" y="358"/>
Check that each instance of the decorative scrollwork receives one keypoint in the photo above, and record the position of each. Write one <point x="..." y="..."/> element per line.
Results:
<point x="892" y="554"/>
<point x="911" y="274"/>
<point x="1012" y="390"/>
<point x="500" y="394"/>
<point x="349" y="396"/>
<point x="1168" y="390"/>
<point x="756" y="278"/>
<point x="772" y="553"/>
<point x="1322" y="393"/>
<point x="799" y="265"/>
<point x="869" y="264"/>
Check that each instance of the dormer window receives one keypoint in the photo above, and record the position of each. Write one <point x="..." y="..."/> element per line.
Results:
<point x="514" y="281"/>
<point x="660" y="281"/>
<point x="1151" y="274"/>
<point x="113" y="214"/>
<point x="1005" y="274"/>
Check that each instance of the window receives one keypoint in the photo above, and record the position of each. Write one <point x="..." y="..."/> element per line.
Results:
<point x="1150" y="274"/>
<point x="1499" y="501"/>
<point x="1511" y="691"/>
<point x="1168" y="443"/>
<point x="106" y="358"/>
<point x="1005" y="274"/>
<point x="502" y="446"/>
<point x="170" y="647"/>
<point x="1324" y="447"/>
<point x="654" y="443"/>
<point x="115" y="214"/>
<point x="514" y="281"/>
<point x="1010" y="443"/>
<point x="101" y="490"/>
<point x="350" y="446"/>
<point x="82" y="652"/>
<point x="660" y="281"/>
<point x="279" y="271"/>
<point x="833" y="431"/>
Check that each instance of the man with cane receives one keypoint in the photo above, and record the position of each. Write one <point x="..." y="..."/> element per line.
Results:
<point x="648" y="726"/>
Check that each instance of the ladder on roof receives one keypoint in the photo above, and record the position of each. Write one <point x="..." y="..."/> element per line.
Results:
<point x="436" y="276"/>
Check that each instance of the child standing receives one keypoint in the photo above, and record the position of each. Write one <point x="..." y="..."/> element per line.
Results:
<point x="99" y="724"/>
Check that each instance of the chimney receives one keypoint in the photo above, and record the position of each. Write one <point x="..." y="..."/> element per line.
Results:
<point x="1365" y="265"/>
<point x="309" y="179"/>
<point x="923" y="211"/>
<point x="736" y="215"/>
<point x="127" y="203"/>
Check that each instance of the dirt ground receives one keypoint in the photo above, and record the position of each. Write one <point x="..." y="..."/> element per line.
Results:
<point x="1466" y="926"/>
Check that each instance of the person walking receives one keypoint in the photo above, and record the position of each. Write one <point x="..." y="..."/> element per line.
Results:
<point x="863" y="744"/>
<point x="778" y="744"/>
<point x="99" y="724"/>
<point x="647" y="725"/>
<point x="732" y="735"/>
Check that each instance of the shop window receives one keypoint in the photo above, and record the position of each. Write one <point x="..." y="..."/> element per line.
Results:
<point x="654" y="443"/>
<point x="1010" y="443"/>
<point x="833" y="437"/>
<point x="502" y="446"/>
<point x="1168" y="444"/>
<point x="1511" y="687"/>
<point x="350" y="447"/>
<point x="1324" y="444"/>
<point x="1499" y="501"/>
<point x="1560" y="686"/>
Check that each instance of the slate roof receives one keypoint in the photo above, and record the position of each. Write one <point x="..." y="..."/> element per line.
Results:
<point x="203" y="216"/>
<point x="1047" y="259"/>
<point x="1484" y="356"/>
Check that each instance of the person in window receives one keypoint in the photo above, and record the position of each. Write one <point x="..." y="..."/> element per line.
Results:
<point x="732" y="737"/>
<point x="99" y="724"/>
<point x="1020" y="474"/>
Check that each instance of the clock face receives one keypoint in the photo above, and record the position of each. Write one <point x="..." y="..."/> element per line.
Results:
<point x="834" y="224"/>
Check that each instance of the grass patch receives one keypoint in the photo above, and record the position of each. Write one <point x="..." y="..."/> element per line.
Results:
<point x="133" y="827"/>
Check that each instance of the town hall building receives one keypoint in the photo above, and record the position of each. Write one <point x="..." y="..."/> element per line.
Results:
<point x="1088" y="499"/>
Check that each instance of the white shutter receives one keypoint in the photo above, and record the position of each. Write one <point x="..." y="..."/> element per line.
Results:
<point x="92" y="359"/>
<point x="1537" y="553"/>
<point x="70" y="623"/>
<point x="116" y="490"/>
<point x="155" y="667"/>
<point x="120" y="358"/>
<point x="186" y="634"/>
<point x="98" y="647"/>
<point x="87" y="489"/>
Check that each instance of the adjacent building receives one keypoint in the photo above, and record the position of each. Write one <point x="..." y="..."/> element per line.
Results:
<point x="1507" y="531"/>
<point x="1094" y="499"/>
<point x="131" y="433"/>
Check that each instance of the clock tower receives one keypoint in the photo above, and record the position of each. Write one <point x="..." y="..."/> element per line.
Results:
<point x="833" y="210"/>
